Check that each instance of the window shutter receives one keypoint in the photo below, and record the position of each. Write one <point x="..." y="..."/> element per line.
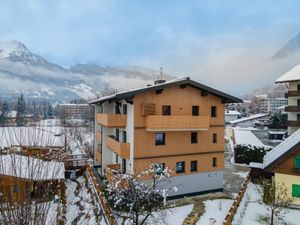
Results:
<point x="296" y="190"/>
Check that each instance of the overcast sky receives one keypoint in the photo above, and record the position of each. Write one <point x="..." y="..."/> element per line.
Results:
<point x="208" y="40"/>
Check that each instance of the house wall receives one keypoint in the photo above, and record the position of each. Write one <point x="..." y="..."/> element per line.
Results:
<point x="288" y="180"/>
<point x="287" y="166"/>
<point x="178" y="145"/>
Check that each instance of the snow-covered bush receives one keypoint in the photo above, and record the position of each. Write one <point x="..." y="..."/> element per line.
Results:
<point x="134" y="197"/>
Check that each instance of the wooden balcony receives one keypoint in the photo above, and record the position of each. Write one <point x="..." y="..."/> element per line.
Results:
<point x="112" y="120"/>
<point x="111" y="170"/>
<point x="292" y="108"/>
<point x="122" y="149"/>
<point x="292" y="94"/>
<point x="177" y="123"/>
<point x="294" y="123"/>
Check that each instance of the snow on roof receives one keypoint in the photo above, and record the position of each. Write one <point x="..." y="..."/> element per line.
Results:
<point x="291" y="75"/>
<point x="282" y="148"/>
<point x="256" y="165"/>
<point x="31" y="168"/>
<point x="180" y="81"/>
<point x="246" y="137"/>
<point x="232" y="113"/>
<point x="276" y="132"/>
<point x="31" y="136"/>
<point x="253" y="117"/>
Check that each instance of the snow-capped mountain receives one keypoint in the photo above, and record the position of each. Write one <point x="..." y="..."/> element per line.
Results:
<point x="24" y="71"/>
<point x="292" y="47"/>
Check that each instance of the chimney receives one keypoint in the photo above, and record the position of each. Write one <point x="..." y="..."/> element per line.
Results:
<point x="161" y="78"/>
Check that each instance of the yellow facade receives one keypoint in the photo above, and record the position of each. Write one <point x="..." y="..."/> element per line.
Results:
<point x="288" y="180"/>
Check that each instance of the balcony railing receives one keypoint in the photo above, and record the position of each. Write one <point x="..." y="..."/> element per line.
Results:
<point x="112" y="120"/>
<point x="292" y="94"/>
<point x="121" y="149"/>
<point x="98" y="136"/>
<point x="292" y="108"/>
<point x="177" y="123"/>
<point x="111" y="170"/>
<point x="294" y="123"/>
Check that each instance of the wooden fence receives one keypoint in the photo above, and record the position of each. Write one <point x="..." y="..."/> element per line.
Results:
<point x="232" y="211"/>
<point x="110" y="219"/>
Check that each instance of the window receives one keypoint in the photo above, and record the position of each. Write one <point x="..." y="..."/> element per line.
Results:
<point x="297" y="162"/>
<point x="296" y="190"/>
<point x="213" y="111"/>
<point x="117" y="109"/>
<point x="159" y="167"/>
<point x="298" y="87"/>
<point x="298" y="102"/>
<point x="160" y="139"/>
<point x="124" y="109"/>
<point x="298" y="117"/>
<point x="193" y="166"/>
<point x="166" y="110"/>
<point x="124" y="136"/>
<point x="195" y="110"/>
<point x="214" y="162"/>
<point x="180" y="167"/>
<point x="16" y="189"/>
<point x="215" y="138"/>
<point x="194" y="137"/>
<point x="117" y="158"/>
<point x="117" y="137"/>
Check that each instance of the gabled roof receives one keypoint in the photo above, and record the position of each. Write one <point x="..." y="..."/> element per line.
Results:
<point x="157" y="87"/>
<point x="253" y="117"/>
<point x="291" y="75"/>
<point x="288" y="145"/>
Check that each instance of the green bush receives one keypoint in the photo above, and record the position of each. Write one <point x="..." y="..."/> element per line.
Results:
<point x="247" y="153"/>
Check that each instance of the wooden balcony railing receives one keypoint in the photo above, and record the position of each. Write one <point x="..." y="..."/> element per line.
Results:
<point x="177" y="123"/>
<point x="294" y="123"/>
<point x="292" y="94"/>
<point x="292" y="108"/>
<point x="98" y="136"/>
<point x="112" y="120"/>
<point x="122" y="149"/>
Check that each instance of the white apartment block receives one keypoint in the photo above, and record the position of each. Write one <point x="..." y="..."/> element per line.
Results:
<point x="292" y="79"/>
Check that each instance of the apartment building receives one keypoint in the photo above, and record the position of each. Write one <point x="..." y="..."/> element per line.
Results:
<point x="177" y="124"/>
<point x="75" y="111"/>
<point x="292" y="80"/>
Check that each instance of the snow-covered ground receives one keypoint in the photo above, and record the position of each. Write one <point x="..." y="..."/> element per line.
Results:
<point x="215" y="211"/>
<point x="81" y="205"/>
<point x="250" y="209"/>
<point x="47" y="133"/>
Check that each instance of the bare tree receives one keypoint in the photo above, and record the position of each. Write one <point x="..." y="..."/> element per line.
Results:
<point x="137" y="197"/>
<point x="28" y="187"/>
<point x="276" y="197"/>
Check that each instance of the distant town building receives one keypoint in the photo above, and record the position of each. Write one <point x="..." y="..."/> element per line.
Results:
<point x="231" y="115"/>
<point x="270" y="105"/>
<point x="292" y="79"/>
<point x="75" y="111"/>
<point x="260" y="119"/>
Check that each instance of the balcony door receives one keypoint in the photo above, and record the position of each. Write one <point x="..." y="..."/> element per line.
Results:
<point x="124" y="136"/>
<point x="123" y="165"/>
<point x="117" y="136"/>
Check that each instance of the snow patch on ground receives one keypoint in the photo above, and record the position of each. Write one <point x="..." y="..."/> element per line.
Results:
<point x="250" y="209"/>
<point x="215" y="210"/>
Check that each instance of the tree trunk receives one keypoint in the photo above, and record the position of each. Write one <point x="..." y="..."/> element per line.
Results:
<point x="272" y="217"/>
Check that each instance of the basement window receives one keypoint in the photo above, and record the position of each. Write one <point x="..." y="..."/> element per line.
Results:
<point x="180" y="167"/>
